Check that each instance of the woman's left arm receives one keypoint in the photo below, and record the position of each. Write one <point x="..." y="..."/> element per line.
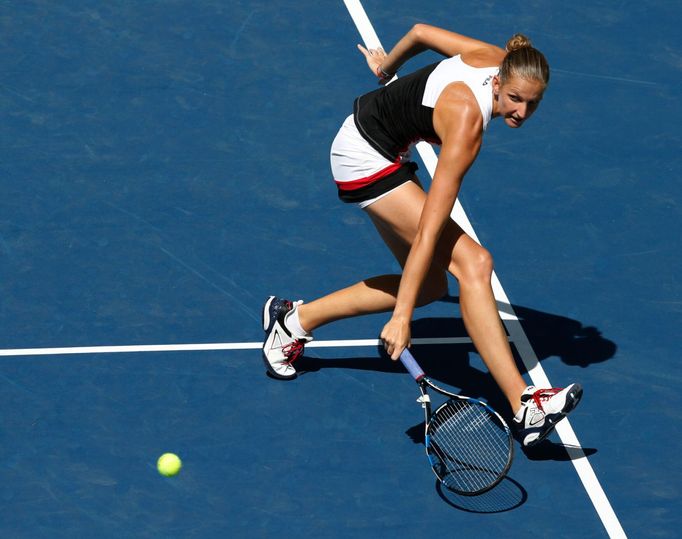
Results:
<point x="460" y="129"/>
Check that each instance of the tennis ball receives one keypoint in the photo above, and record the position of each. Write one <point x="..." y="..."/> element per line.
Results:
<point x="169" y="464"/>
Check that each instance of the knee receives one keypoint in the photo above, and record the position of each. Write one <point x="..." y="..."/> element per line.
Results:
<point x="475" y="268"/>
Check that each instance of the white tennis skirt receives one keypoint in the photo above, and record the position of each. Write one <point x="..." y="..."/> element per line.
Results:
<point x="360" y="172"/>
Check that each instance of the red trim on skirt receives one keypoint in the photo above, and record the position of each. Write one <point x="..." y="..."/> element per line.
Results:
<point x="352" y="185"/>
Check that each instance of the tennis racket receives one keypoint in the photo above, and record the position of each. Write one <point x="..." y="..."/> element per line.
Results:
<point x="469" y="446"/>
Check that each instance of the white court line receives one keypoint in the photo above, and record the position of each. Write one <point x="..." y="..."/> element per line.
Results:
<point x="511" y="321"/>
<point x="130" y="349"/>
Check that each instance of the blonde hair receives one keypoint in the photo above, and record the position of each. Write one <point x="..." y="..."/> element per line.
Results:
<point x="524" y="61"/>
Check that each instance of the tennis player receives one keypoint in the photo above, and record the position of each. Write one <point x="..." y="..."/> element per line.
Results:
<point x="449" y="103"/>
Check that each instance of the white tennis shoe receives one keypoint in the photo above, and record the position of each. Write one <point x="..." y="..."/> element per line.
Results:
<point x="542" y="409"/>
<point x="280" y="348"/>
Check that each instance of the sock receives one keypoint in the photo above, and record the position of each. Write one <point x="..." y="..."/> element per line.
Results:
<point x="519" y="413"/>
<point x="293" y="324"/>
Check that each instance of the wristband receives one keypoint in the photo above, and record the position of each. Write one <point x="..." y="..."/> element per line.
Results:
<point x="382" y="74"/>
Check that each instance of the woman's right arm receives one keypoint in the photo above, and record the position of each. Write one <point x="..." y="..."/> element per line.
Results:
<point x="420" y="38"/>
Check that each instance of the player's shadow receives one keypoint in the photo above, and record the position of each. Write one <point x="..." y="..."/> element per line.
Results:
<point x="550" y="335"/>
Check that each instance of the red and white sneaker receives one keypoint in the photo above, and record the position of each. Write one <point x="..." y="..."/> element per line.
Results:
<point x="280" y="348"/>
<point x="542" y="409"/>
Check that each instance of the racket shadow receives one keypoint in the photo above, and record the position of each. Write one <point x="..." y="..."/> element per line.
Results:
<point x="508" y="495"/>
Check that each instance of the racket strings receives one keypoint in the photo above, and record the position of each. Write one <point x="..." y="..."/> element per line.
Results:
<point x="466" y="468"/>
<point x="470" y="451"/>
<point x="482" y="444"/>
<point x="472" y="448"/>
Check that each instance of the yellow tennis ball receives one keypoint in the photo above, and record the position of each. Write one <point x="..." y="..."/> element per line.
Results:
<point x="169" y="464"/>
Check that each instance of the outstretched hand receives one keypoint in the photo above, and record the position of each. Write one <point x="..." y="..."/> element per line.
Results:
<point x="375" y="58"/>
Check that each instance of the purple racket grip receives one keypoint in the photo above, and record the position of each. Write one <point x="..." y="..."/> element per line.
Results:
<point x="411" y="365"/>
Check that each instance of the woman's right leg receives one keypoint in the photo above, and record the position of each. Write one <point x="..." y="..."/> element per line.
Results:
<point x="288" y="326"/>
<point x="375" y="294"/>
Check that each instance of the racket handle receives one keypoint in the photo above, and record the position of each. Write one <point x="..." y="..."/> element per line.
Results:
<point x="411" y="365"/>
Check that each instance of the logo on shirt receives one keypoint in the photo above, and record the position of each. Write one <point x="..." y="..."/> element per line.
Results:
<point x="487" y="80"/>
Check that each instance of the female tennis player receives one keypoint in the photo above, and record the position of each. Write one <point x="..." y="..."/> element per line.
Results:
<point x="450" y="104"/>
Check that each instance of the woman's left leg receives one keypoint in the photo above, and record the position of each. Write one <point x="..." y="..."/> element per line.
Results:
<point x="396" y="217"/>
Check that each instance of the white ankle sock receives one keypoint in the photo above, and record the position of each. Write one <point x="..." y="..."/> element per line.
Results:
<point x="293" y="323"/>
<point x="519" y="413"/>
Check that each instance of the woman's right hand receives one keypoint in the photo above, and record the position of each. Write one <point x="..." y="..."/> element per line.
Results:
<point x="375" y="58"/>
<point x="396" y="337"/>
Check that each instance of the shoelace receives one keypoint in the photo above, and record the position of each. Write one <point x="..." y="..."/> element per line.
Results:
<point x="293" y="351"/>
<point x="543" y="395"/>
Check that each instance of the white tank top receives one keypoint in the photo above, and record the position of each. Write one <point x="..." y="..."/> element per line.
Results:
<point x="478" y="79"/>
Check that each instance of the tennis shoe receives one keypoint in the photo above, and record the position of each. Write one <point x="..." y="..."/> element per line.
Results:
<point x="280" y="348"/>
<point x="542" y="409"/>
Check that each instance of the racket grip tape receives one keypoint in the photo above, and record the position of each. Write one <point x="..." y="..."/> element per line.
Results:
<point x="411" y="365"/>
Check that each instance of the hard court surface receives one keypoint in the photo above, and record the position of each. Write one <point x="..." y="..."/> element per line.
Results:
<point x="164" y="168"/>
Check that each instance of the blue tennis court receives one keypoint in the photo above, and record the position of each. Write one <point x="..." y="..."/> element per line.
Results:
<point x="164" y="169"/>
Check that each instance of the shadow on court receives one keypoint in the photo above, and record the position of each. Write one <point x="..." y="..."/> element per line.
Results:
<point x="550" y="335"/>
<point x="548" y="450"/>
<point x="556" y="335"/>
<point x="506" y="496"/>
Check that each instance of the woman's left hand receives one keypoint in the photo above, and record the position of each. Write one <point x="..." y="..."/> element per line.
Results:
<point x="396" y="337"/>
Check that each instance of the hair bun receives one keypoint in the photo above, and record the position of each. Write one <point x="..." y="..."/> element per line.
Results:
<point x="518" y="41"/>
